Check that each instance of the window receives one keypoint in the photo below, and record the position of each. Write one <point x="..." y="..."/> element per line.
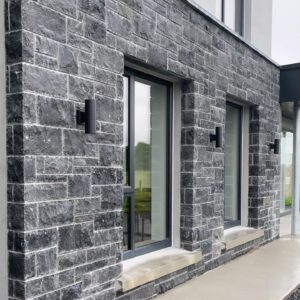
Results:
<point x="233" y="15"/>
<point x="231" y="12"/>
<point x="233" y="128"/>
<point x="147" y="163"/>
<point x="286" y="170"/>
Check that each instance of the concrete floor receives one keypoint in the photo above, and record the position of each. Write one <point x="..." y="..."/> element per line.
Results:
<point x="269" y="273"/>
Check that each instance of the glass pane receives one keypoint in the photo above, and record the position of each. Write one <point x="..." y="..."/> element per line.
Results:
<point x="232" y="164"/>
<point x="213" y="7"/>
<point x="150" y="162"/>
<point x="229" y="13"/>
<point x="286" y="170"/>
<point x="126" y="226"/>
<point x="125" y="131"/>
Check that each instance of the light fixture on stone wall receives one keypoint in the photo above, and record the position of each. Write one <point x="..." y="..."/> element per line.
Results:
<point x="88" y="117"/>
<point x="217" y="137"/>
<point x="275" y="146"/>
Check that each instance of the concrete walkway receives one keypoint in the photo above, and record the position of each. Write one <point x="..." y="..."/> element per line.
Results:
<point x="269" y="273"/>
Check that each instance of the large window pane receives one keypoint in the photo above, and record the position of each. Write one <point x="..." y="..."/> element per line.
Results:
<point x="229" y="13"/>
<point x="232" y="165"/>
<point x="150" y="162"/>
<point x="213" y="7"/>
<point x="286" y="170"/>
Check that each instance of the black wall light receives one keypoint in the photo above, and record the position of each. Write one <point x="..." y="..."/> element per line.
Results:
<point x="217" y="137"/>
<point x="275" y="146"/>
<point x="88" y="117"/>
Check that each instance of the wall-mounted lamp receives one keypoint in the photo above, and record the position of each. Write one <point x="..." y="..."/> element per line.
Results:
<point x="217" y="137"/>
<point x="88" y="117"/>
<point x="275" y="146"/>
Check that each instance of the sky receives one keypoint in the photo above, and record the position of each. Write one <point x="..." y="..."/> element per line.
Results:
<point x="286" y="31"/>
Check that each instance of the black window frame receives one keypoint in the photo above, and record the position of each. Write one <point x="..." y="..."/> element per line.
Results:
<point x="128" y="191"/>
<point x="230" y="224"/>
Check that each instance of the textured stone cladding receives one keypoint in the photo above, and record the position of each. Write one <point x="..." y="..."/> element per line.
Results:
<point x="65" y="187"/>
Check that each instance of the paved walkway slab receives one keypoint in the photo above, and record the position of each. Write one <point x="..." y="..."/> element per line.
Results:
<point x="268" y="273"/>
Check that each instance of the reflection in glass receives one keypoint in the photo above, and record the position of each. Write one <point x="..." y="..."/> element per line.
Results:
<point x="126" y="226"/>
<point x="150" y="162"/>
<point x="125" y="132"/>
<point x="286" y="170"/>
<point x="232" y="164"/>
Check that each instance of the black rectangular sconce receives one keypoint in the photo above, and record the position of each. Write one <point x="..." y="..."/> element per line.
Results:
<point x="275" y="146"/>
<point x="88" y="117"/>
<point x="217" y="137"/>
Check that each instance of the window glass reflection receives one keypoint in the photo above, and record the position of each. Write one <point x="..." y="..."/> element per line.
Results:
<point x="286" y="170"/>
<point x="232" y="165"/>
<point x="150" y="162"/>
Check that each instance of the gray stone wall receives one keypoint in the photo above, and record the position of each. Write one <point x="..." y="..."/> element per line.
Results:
<point x="65" y="187"/>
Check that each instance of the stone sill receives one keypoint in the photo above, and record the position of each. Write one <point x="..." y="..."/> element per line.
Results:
<point x="143" y="269"/>
<point x="240" y="235"/>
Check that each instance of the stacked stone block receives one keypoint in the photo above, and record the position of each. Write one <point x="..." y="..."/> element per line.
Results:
<point x="65" y="187"/>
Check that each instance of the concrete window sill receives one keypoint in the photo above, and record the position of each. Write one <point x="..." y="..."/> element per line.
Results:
<point x="240" y="235"/>
<point x="149" y="267"/>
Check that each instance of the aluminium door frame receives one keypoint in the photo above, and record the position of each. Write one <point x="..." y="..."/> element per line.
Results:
<point x="129" y="190"/>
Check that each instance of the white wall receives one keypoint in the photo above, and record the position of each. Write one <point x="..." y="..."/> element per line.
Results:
<point x="3" y="176"/>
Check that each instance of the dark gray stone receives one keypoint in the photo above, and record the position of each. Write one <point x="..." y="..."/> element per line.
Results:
<point x="110" y="156"/>
<point x="56" y="165"/>
<point x="79" y="42"/>
<point x="75" y="144"/>
<point x="36" y="240"/>
<point x="65" y="7"/>
<point x="103" y="176"/>
<point x="87" y="206"/>
<point x="144" y="27"/>
<point x="46" y="262"/>
<point x="73" y="292"/>
<point x="119" y="25"/>
<point x="95" y="30"/>
<point x="107" y="220"/>
<point x="68" y="60"/>
<point x="109" y="59"/>
<point x="71" y="260"/>
<point x="79" y="186"/>
<point x="157" y="56"/>
<point x="56" y="113"/>
<point x="80" y="89"/>
<point x="76" y="237"/>
<point x="44" y="192"/>
<point x="95" y="8"/>
<point x="42" y="81"/>
<point x="58" y="213"/>
<point x="20" y="47"/>
<point x="42" y="141"/>
<point x="109" y="110"/>
<point x="112" y="197"/>
<point x="21" y="266"/>
<point x="66" y="278"/>
<point x="22" y="217"/>
<point x="46" y="46"/>
<point x="40" y="286"/>
<point x="43" y="21"/>
<point x="99" y="253"/>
